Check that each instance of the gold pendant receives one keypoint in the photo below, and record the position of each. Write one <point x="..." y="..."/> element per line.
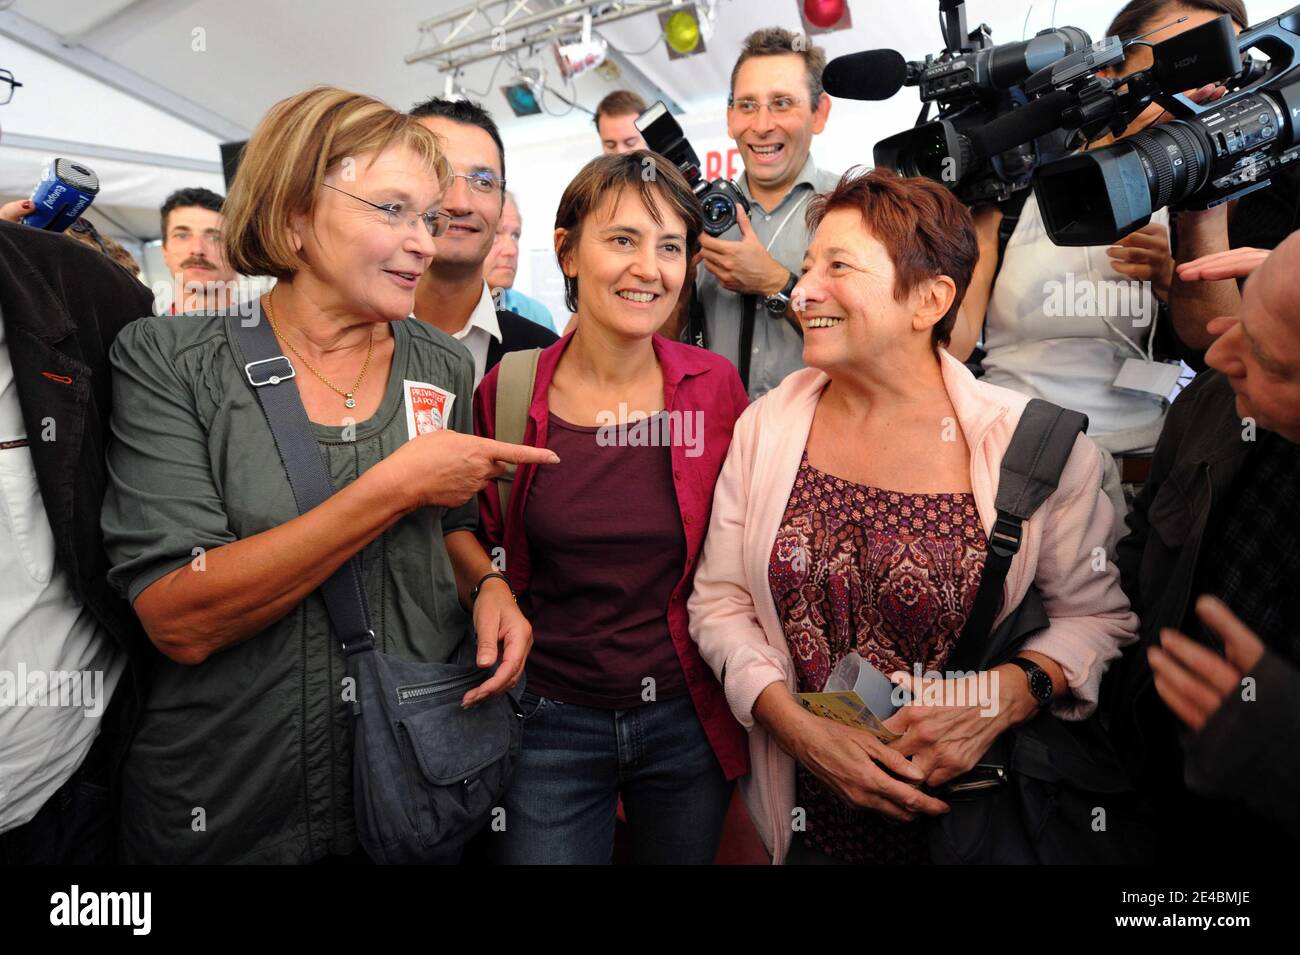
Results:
<point x="349" y="401"/>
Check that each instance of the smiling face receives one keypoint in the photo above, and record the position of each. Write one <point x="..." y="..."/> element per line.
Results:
<point x="1260" y="350"/>
<point x="471" y="151"/>
<point x="774" y="146"/>
<point x="503" y="260"/>
<point x="618" y="134"/>
<point x="192" y="247"/>
<point x="367" y="266"/>
<point x="630" y="268"/>
<point x="846" y="304"/>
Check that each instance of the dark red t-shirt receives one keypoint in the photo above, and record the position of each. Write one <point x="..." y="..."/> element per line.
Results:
<point x="606" y="547"/>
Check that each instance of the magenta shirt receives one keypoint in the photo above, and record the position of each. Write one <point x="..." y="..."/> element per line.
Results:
<point x="696" y="382"/>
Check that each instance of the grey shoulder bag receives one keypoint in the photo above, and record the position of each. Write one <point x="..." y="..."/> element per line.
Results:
<point x="426" y="773"/>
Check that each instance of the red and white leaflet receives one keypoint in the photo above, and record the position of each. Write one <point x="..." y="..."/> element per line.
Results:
<point x="428" y="407"/>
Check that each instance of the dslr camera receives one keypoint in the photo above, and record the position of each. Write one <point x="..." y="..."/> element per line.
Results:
<point x="719" y="198"/>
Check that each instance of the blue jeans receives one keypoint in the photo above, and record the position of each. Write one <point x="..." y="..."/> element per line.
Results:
<point x="576" y="762"/>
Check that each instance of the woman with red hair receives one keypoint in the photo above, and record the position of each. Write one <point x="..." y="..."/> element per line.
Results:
<point x="852" y="516"/>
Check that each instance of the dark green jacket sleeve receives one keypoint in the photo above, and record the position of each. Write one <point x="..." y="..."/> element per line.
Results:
<point x="162" y="503"/>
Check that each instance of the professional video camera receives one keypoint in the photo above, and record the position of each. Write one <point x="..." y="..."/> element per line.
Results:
<point x="973" y="82"/>
<point x="1208" y="154"/>
<point x="719" y="198"/>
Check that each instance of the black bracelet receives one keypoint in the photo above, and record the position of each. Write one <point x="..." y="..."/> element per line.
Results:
<point x="473" y="594"/>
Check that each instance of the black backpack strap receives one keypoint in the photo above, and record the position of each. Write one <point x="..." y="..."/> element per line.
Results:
<point x="1030" y="472"/>
<point x="270" y="374"/>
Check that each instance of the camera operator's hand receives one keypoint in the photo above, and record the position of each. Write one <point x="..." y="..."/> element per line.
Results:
<point x="1206" y="94"/>
<point x="743" y="265"/>
<point x="14" y="211"/>
<point x="1144" y="255"/>
<point x="1233" y="264"/>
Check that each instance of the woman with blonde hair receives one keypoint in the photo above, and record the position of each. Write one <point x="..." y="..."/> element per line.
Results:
<point x="243" y="749"/>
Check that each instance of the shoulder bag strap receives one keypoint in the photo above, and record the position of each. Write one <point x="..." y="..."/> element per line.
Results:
<point x="1030" y="472"/>
<point x="270" y="374"/>
<point x="515" y="383"/>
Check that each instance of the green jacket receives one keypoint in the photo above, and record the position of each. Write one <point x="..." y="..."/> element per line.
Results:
<point x="246" y="757"/>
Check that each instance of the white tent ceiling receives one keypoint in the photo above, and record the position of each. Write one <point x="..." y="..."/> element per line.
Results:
<point x="156" y="85"/>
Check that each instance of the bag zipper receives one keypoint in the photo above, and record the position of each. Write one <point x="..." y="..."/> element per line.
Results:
<point x="416" y="692"/>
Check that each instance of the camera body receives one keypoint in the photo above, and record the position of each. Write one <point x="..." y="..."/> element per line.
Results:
<point x="719" y="198"/>
<point x="1208" y="154"/>
<point x="973" y="82"/>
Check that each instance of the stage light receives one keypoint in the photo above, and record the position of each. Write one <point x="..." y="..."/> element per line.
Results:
<point x="524" y="94"/>
<point x="682" y="32"/>
<point x="574" y="59"/>
<point x="823" y="16"/>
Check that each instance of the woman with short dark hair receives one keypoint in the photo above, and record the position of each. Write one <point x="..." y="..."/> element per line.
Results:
<point x="852" y="517"/>
<point x="602" y="548"/>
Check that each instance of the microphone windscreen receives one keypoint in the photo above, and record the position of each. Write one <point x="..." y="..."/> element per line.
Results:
<point x="871" y="75"/>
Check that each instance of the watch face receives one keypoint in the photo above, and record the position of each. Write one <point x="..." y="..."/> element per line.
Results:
<point x="777" y="303"/>
<point x="1040" y="684"/>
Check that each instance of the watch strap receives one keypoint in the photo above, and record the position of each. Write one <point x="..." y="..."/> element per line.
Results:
<point x="1032" y="671"/>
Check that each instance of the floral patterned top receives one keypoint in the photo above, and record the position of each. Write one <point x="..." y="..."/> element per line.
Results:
<point x="886" y="574"/>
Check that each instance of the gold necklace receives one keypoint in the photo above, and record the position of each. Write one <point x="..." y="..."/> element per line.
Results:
<point x="348" y="400"/>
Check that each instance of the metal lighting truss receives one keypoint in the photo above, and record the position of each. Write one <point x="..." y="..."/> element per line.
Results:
<point x="481" y="31"/>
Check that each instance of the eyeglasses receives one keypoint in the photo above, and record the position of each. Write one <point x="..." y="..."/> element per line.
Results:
<point x="778" y="105"/>
<point x="482" y="182"/>
<point x="7" y="86"/>
<point x="435" y="220"/>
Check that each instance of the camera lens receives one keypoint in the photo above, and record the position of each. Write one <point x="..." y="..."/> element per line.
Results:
<point x="719" y="213"/>
<point x="1174" y="159"/>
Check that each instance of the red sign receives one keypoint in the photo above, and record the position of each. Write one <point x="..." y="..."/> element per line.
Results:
<point x="713" y="166"/>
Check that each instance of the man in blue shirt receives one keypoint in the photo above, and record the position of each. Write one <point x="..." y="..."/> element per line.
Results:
<point x="502" y="263"/>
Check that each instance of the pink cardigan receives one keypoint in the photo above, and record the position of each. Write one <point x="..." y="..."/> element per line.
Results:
<point x="734" y="619"/>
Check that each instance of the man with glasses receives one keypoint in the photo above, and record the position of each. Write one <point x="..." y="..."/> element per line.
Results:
<point x="452" y="294"/>
<point x="776" y="107"/>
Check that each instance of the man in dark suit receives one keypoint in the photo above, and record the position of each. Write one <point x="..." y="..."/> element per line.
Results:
<point x="1207" y="703"/>
<point x="452" y="294"/>
<point x="62" y="630"/>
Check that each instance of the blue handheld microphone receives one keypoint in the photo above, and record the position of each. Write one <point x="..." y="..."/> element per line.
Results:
<point x="65" y="191"/>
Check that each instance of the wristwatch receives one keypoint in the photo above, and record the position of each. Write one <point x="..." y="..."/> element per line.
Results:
<point x="1040" y="684"/>
<point x="473" y="594"/>
<point x="778" y="303"/>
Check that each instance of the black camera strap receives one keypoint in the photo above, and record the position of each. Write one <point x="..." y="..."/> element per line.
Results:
<point x="1011" y="210"/>
<point x="748" y="308"/>
<point x="696" y="331"/>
